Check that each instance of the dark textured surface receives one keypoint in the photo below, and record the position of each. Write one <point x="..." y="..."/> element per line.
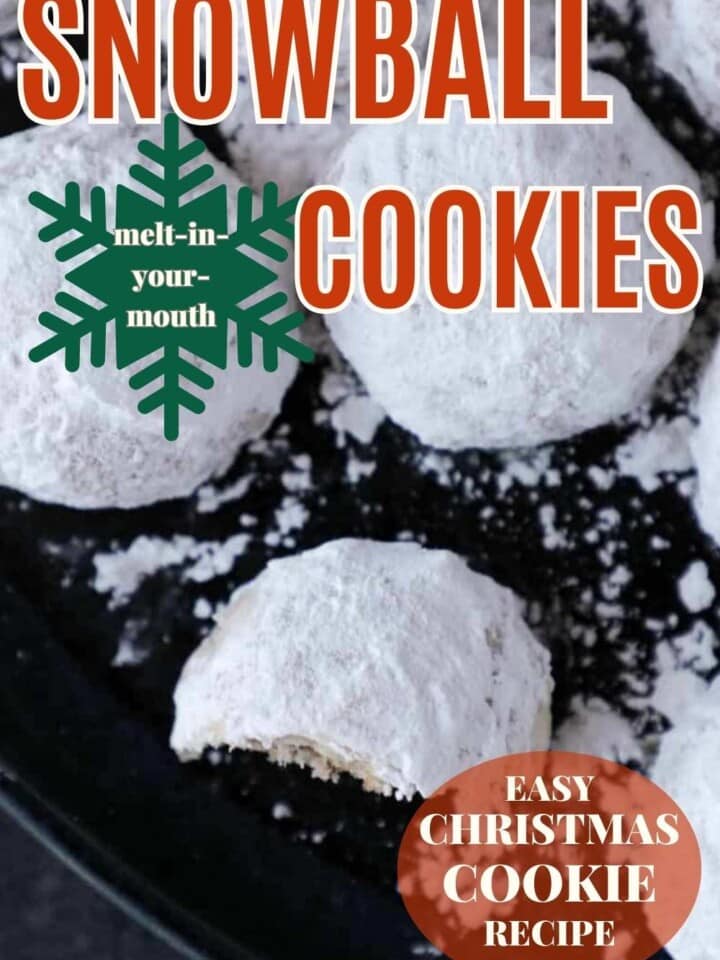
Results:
<point x="48" y="913"/>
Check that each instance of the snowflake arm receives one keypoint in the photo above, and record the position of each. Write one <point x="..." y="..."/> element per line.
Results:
<point x="251" y="231"/>
<point x="171" y="157"/>
<point x="68" y="218"/>
<point x="68" y="336"/>
<point x="275" y="336"/>
<point x="170" y="368"/>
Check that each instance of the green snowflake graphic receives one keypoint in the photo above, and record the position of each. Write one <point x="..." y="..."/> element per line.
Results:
<point x="233" y="287"/>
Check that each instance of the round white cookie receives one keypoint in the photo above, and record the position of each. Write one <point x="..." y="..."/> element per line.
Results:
<point x="390" y="662"/>
<point x="488" y="380"/>
<point x="8" y="16"/>
<point x="687" y="769"/>
<point x="705" y="445"/>
<point x="685" y="38"/>
<point x="77" y="438"/>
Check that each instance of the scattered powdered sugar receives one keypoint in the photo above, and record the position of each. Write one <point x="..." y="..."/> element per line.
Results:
<point x="357" y="415"/>
<point x="425" y="950"/>
<point x="527" y="468"/>
<point x="654" y="454"/>
<point x="352" y="411"/>
<point x="131" y="651"/>
<point x="215" y="559"/>
<point x="337" y="385"/>
<point x="211" y="497"/>
<point x="120" y="572"/>
<point x="299" y="476"/>
<point x="357" y="469"/>
<point x="281" y="811"/>
<point x="553" y="539"/>
<point x="683" y="665"/>
<point x="203" y="609"/>
<point x="291" y="515"/>
<point x="663" y="449"/>
<point x="696" y="648"/>
<point x="353" y="415"/>
<point x="695" y="587"/>
<point x="439" y="465"/>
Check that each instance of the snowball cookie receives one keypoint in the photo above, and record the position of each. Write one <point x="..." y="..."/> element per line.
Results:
<point x="687" y="768"/>
<point x="705" y="445"/>
<point x="393" y="663"/>
<point x="77" y="438"/>
<point x="488" y="380"/>
<point x="685" y="39"/>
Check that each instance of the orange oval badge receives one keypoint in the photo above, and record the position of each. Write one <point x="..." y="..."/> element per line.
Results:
<point x="545" y="851"/>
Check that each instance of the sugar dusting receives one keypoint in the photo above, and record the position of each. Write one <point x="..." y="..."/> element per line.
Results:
<point x="695" y="587"/>
<point x="119" y="573"/>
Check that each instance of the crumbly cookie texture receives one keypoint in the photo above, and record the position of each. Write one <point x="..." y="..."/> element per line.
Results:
<point x="687" y="769"/>
<point x="487" y="380"/>
<point x="685" y="39"/>
<point x="390" y="662"/>
<point x="705" y="445"/>
<point x="77" y="438"/>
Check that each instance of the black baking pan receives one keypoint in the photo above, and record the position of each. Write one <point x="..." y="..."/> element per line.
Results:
<point x="195" y="851"/>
